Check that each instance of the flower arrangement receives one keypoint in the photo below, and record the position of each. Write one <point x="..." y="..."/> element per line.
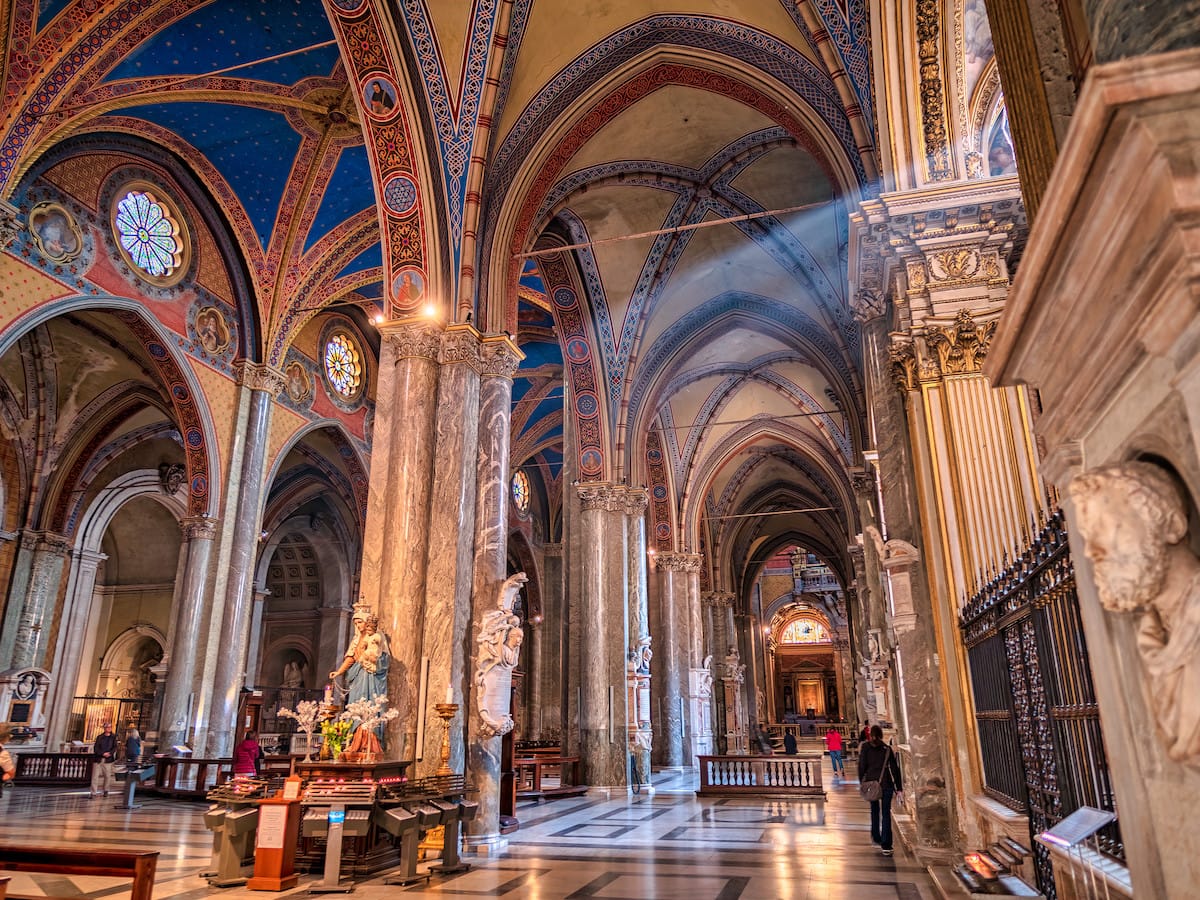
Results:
<point x="335" y="734"/>
<point x="306" y="714"/>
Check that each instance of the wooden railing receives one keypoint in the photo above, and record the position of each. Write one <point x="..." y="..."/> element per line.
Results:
<point x="761" y="776"/>
<point x="54" y="768"/>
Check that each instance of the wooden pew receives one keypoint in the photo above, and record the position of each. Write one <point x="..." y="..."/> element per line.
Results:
<point x="139" y="867"/>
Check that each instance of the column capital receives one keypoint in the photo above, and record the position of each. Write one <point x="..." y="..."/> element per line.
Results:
<point x="678" y="562"/>
<point x="45" y="541"/>
<point x="10" y="223"/>
<point x="88" y="557"/>
<point x="203" y="528"/>
<point x="415" y="337"/>
<point x="460" y="344"/>
<point x="499" y="356"/>
<point x="259" y="377"/>
<point x="636" y="501"/>
<point x="602" y="495"/>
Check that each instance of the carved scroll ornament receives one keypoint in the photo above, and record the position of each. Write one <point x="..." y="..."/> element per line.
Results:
<point x="499" y="647"/>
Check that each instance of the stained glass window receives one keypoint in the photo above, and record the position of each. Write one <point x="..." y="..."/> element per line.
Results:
<point x="520" y="491"/>
<point x="805" y="631"/>
<point x="343" y="365"/>
<point x="148" y="234"/>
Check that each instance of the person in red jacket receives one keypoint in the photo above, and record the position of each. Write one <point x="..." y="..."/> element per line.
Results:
<point x="833" y="743"/>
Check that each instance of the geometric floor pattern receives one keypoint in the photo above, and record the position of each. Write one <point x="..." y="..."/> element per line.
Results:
<point x="669" y="845"/>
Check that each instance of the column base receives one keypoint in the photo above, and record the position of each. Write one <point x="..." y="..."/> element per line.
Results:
<point x="905" y="827"/>
<point x="485" y="845"/>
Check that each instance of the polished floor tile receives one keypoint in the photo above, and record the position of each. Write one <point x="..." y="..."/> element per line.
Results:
<point x="666" y="845"/>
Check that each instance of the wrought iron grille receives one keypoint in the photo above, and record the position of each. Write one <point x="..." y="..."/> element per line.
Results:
<point x="1035" y="706"/>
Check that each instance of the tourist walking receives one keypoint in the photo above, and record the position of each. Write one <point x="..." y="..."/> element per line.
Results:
<point x="879" y="781"/>
<point x="104" y="765"/>
<point x="833" y="743"/>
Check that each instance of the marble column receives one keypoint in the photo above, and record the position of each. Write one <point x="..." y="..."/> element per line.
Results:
<point x="253" y="662"/>
<point x="638" y="613"/>
<point x="553" y="641"/>
<point x="196" y="550"/>
<point x="672" y="654"/>
<point x="532" y="723"/>
<point x="499" y="358"/>
<point x="452" y="543"/>
<point x="603" y="634"/>
<point x="395" y="544"/>
<point x="263" y="383"/>
<point x="49" y="553"/>
<point x="68" y="654"/>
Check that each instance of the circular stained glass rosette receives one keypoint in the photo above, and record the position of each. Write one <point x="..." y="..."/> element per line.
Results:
<point x="148" y="234"/>
<point x="520" y="491"/>
<point x="343" y="365"/>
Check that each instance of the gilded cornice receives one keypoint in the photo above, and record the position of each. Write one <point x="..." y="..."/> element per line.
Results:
<point x="678" y="562"/>
<point x="259" y="377"/>
<point x="413" y="338"/>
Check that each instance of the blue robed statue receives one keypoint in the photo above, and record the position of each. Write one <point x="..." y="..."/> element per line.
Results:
<point x="367" y="660"/>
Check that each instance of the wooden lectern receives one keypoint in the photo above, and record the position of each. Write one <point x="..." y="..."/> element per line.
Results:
<point x="278" y="835"/>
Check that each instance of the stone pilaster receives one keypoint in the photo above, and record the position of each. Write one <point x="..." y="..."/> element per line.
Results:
<point x="196" y="554"/>
<point x="603" y="634"/>
<point x="68" y="654"/>
<point x="499" y="358"/>
<point x="451" y="540"/>
<point x="262" y="384"/>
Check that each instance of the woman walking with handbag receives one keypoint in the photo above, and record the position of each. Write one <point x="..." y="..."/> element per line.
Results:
<point x="879" y="781"/>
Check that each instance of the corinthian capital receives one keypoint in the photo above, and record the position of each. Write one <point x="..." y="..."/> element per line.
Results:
<point x="636" y="500"/>
<point x="259" y="376"/>
<point x="460" y="344"/>
<point x="413" y="337"/>
<point x="499" y="356"/>
<point x="199" y="528"/>
<point x="962" y="347"/>
<point x="602" y="495"/>
<point x="10" y="223"/>
<point x="678" y="562"/>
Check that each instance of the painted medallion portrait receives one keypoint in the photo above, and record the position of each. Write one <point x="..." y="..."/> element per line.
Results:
<point x="380" y="98"/>
<point x="408" y="288"/>
<point x="299" y="385"/>
<point x="212" y="332"/>
<point x="55" y="233"/>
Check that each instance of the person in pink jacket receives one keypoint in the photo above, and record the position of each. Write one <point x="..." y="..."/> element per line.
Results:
<point x="246" y="756"/>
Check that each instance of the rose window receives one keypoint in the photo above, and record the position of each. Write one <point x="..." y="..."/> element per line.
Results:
<point x="148" y="234"/>
<point x="343" y="365"/>
<point x="520" y="491"/>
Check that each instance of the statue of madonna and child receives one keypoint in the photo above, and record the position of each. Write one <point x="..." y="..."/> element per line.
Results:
<point x="365" y="667"/>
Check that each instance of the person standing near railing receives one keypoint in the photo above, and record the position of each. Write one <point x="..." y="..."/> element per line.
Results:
<point x="104" y="768"/>
<point x="133" y="746"/>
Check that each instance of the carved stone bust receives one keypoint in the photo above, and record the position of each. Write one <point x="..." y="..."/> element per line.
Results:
<point x="1133" y="520"/>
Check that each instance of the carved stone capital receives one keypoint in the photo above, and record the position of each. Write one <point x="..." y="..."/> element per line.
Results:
<point x="863" y="481"/>
<point x="962" y="347"/>
<point x="201" y="528"/>
<point x="602" y="495"/>
<point x="636" y="501"/>
<point x="867" y="304"/>
<point x="413" y="338"/>
<point x="499" y="356"/>
<point x="902" y="361"/>
<point x="260" y="377"/>
<point x="460" y="345"/>
<point x="10" y="224"/>
<point x="678" y="562"/>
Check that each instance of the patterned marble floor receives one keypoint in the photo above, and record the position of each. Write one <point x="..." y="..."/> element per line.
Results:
<point x="665" y="846"/>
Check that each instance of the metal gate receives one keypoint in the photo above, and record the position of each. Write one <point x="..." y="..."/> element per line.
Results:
<point x="1035" y="706"/>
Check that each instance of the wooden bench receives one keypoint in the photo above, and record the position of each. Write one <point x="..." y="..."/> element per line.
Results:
<point x="530" y="770"/>
<point x="139" y="867"/>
